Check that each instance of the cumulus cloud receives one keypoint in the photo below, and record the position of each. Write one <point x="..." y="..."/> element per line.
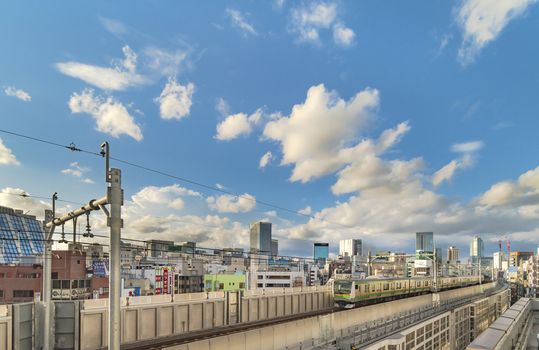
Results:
<point x="343" y="35"/>
<point x="306" y="211"/>
<point x="17" y="198"/>
<point x="238" y="20"/>
<point x="307" y="22"/>
<point x="170" y="196"/>
<point x="466" y="160"/>
<point x="265" y="159"/>
<point x="232" y="204"/>
<point x="110" y="115"/>
<point x="523" y="192"/>
<point x="17" y="93"/>
<point x="315" y="136"/>
<point x="175" y="99"/>
<point x="119" y="77"/>
<point x="236" y="125"/>
<point x="6" y="155"/>
<point x="482" y="21"/>
<point x="78" y="171"/>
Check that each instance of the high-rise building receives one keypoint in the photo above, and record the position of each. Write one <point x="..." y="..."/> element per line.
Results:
<point x="21" y="236"/>
<point x="477" y="247"/>
<point x="261" y="237"/>
<point x="350" y="247"/>
<point x="424" y="241"/>
<point x="453" y="254"/>
<point x="321" y="253"/>
<point x="158" y="248"/>
<point x="274" y="247"/>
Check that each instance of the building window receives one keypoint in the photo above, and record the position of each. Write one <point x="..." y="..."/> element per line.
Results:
<point x="55" y="275"/>
<point x="1" y="294"/>
<point x="23" y="293"/>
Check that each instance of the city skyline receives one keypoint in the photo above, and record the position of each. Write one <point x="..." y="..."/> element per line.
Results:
<point x="442" y="152"/>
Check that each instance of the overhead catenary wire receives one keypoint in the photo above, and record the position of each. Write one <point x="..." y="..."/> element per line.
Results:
<point x="72" y="147"/>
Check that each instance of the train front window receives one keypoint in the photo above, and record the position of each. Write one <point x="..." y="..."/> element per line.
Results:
<point x="343" y="287"/>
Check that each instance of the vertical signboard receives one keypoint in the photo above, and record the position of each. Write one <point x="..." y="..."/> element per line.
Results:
<point x="165" y="280"/>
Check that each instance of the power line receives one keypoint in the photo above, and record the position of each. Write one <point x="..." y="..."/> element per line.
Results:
<point x="73" y="148"/>
<point x="26" y="195"/>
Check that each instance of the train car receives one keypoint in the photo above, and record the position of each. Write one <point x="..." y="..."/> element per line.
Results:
<point x="348" y="293"/>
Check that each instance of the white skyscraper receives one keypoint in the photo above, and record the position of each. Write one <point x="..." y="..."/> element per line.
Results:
<point x="350" y="247"/>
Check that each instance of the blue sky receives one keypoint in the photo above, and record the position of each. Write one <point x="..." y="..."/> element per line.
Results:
<point x="380" y="119"/>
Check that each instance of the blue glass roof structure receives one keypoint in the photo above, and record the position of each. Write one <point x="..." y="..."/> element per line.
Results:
<point x="19" y="236"/>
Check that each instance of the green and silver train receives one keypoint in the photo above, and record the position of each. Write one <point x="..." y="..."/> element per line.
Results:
<point x="349" y="293"/>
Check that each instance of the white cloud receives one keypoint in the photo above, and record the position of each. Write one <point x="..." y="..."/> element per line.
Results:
<point x="466" y="160"/>
<point x="482" y="21"/>
<point x="236" y="125"/>
<point x="175" y="99"/>
<point x="166" y="62"/>
<point x="222" y="107"/>
<point x="306" y="211"/>
<point x="17" y="198"/>
<point x="120" y="77"/>
<point x="445" y="173"/>
<point x="265" y="160"/>
<point x="232" y="204"/>
<point x="6" y="155"/>
<point x="78" y="171"/>
<point x="523" y="192"/>
<point x="307" y="22"/>
<point x="170" y="196"/>
<point x="343" y="35"/>
<point x="18" y="93"/>
<point x="315" y="136"/>
<point x="110" y="115"/>
<point x="113" y="26"/>
<point x="240" y="22"/>
<point x="467" y="147"/>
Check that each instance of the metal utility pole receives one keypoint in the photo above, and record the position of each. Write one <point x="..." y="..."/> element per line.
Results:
<point x="114" y="197"/>
<point x="114" y="221"/>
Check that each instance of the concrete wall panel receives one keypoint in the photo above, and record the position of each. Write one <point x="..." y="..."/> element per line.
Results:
<point x="208" y="315"/>
<point x="262" y="308"/>
<point x="181" y="323"/>
<point x="219" y="313"/>
<point x="219" y="343"/>
<point x="148" y="323"/>
<point x="195" y="317"/>
<point x="92" y="335"/>
<point x="266" y="338"/>
<point x="129" y="325"/>
<point x="237" y="341"/>
<point x="165" y="321"/>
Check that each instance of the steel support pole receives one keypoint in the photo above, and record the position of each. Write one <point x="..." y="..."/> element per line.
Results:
<point x="115" y="197"/>
<point x="46" y="294"/>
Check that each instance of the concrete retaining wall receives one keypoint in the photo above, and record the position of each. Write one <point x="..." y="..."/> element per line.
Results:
<point x="321" y="330"/>
<point x="145" y="318"/>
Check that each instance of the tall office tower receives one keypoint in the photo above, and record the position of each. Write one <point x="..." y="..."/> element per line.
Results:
<point x="321" y="253"/>
<point x="452" y="254"/>
<point x="261" y="237"/>
<point x="476" y="247"/>
<point x="350" y="247"/>
<point x="424" y="241"/>
<point x="274" y="247"/>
